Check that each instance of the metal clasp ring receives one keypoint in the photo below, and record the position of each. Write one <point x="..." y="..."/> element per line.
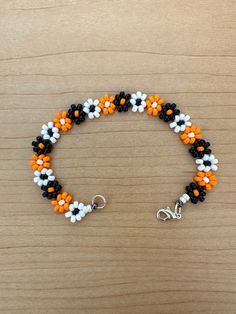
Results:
<point x="167" y="214"/>
<point x="101" y="200"/>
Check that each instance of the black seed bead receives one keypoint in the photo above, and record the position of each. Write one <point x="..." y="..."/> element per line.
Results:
<point x="75" y="211"/>
<point x="92" y="108"/>
<point x="199" y="154"/>
<point x="47" y="146"/>
<point x="50" y="133"/>
<point x="163" y="113"/>
<point x="181" y="122"/>
<point x="138" y="102"/>
<point x="194" y="186"/>
<point x="201" y="198"/>
<point x="126" y="105"/>
<point x="71" y="113"/>
<point x="51" y="195"/>
<point x="43" y="176"/>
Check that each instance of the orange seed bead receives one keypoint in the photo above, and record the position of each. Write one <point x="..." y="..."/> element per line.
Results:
<point x="169" y="112"/>
<point x="76" y="113"/>
<point x="122" y="101"/>
<point x="41" y="145"/>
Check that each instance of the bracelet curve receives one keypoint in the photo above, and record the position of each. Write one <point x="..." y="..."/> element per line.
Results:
<point x="155" y="106"/>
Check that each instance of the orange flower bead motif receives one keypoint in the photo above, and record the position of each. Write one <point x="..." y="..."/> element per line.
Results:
<point x="40" y="162"/>
<point x="191" y="134"/>
<point x="62" y="121"/>
<point x="62" y="203"/>
<point x="107" y="105"/>
<point x="154" y="105"/>
<point x="205" y="179"/>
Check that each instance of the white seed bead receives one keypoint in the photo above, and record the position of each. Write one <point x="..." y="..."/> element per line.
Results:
<point x="39" y="162"/>
<point x="82" y="214"/>
<point x="73" y="219"/>
<point x="141" y="109"/>
<point x="177" y="129"/>
<point x="201" y="167"/>
<point x="96" y="114"/>
<point x="46" y="136"/>
<point x="45" y="182"/>
<point x="80" y="206"/>
<point x="91" y="115"/>
<point x="62" y="121"/>
<point x="132" y="101"/>
<point x="206" y="179"/>
<point x="191" y="134"/>
<point x="68" y="214"/>
<point x="61" y="202"/>
<point x="86" y="110"/>
<point x="85" y="210"/>
<point x="49" y="172"/>
<point x="56" y="135"/>
<point x="214" y="167"/>
<point x="44" y="170"/>
<point x="90" y="209"/>
<point x="78" y="217"/>
<point x="96" y="102"/>
<point x="184" y="198"/>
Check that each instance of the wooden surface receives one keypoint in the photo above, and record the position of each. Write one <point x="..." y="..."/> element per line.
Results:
<point x="119" y="259"/>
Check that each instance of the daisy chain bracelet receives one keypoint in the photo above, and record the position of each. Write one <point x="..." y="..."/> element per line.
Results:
<point x="189" y="134"/>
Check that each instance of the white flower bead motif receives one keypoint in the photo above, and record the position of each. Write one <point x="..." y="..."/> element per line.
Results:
<point x="92" y="109"/>
<point x="138" y="101"/>
<point x="50" y="132"/>
<point x="77" y="211"/>
<point x="207" y="163"/>
<point x="180" y="123"/>
<point x="43" y="177"/>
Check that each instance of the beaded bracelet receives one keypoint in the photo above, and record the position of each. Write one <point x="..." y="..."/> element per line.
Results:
<point x="190" y="134"/>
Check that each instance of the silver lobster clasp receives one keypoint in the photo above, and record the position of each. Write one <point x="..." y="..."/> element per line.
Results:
<point x="167" y="214"/>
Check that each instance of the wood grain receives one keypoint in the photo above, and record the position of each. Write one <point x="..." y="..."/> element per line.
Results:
<point x="119" y="259"/>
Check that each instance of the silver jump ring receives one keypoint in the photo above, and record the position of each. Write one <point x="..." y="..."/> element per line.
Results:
<point x="101" y="199"/>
